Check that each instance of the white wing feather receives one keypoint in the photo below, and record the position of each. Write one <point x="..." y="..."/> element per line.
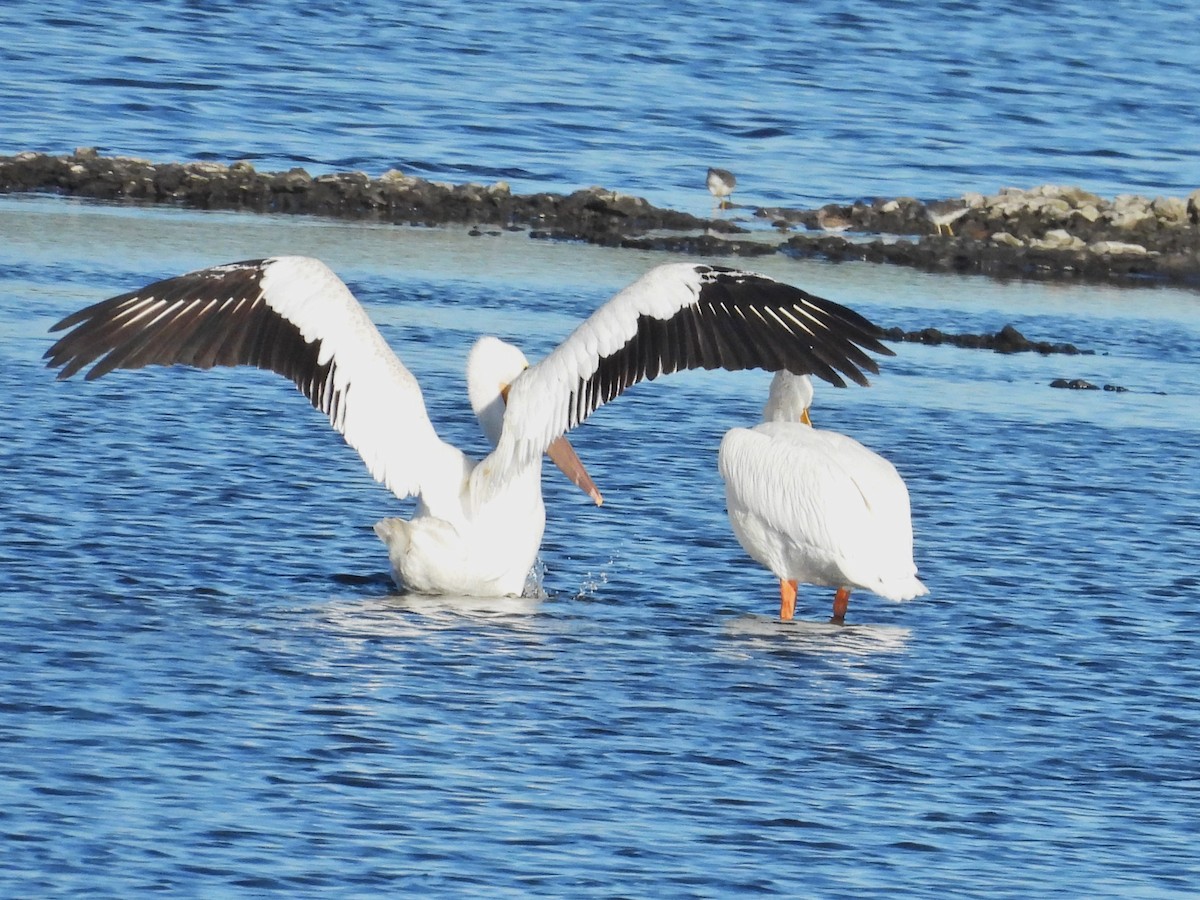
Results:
<point x="382" y="414"/>
<point x="537" y="402"/>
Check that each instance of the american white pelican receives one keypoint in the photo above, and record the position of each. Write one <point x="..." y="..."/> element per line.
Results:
<point x="816" y="506"/>
<point x="721" y="183"/>
<point x="478" y="526"/>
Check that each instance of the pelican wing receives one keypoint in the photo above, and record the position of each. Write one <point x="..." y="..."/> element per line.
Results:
<point x="291" y="315"/>
<point x="683" y="316"/>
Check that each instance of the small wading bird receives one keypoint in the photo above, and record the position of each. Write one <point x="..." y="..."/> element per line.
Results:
<point x="478" y="526"/>
<point x="832" y="220"/>
<point x="721" y="183"/>
<point x="816" y="506"/>
<point x="944" y="213"/>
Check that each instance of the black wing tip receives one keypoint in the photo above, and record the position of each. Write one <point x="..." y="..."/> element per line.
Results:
<point x="830" y="341"/>
<point x="68" y="364"/>
<point x="66" y="367"/>
<point x="66" y="355"/>
<point x="82" y="315"/>
<point x="56" y="359"/>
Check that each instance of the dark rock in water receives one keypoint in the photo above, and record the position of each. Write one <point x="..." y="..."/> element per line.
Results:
<point x="1104" y="262"/>
<point x="1007" y="340"/>
<point x="1079" y="384"/>
<point x="700" y="245"/>
<point x="595" y="213"/>
<point x="690" y="244"/>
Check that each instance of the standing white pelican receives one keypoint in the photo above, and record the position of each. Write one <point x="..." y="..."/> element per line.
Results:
<point x="478" y="526"/>
<point x="816" y="506"/>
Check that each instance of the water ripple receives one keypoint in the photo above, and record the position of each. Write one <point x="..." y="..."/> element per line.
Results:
<point x="203" y="688"/>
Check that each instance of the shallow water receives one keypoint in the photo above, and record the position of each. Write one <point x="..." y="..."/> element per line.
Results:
<point x="208" y="684"/>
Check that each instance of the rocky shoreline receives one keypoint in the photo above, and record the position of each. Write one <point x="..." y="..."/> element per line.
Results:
<point x="1047" y="233"/>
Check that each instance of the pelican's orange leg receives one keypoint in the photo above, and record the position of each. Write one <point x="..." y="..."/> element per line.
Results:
<point x="841" y="602"/>
<point x="787" y="600"/>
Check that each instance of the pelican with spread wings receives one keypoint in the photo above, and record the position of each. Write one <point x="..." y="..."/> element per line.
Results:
<point x="478" y="524"/>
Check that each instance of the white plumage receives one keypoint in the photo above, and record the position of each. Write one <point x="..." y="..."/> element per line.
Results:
<point x="816" y="506"/>
<point x="478" y="526"/>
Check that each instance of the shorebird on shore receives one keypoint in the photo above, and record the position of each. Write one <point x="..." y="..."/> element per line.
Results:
<point x="721" y="183"/>
<point x="816" y="506"/>
<point x="944" y="213"/>
<point x="831" y="220"/>
<point x="478" y="525"/>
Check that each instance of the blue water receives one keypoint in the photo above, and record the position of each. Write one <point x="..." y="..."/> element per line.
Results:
<point x="208" y="686"/>
<point x="808" y="103"/>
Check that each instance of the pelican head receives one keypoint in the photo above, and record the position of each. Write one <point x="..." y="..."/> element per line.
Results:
<point x="789" y="398"/>
<point x="492" y="367"/>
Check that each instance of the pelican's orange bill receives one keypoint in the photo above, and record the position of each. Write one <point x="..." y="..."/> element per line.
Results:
<point x="563" y="455"/>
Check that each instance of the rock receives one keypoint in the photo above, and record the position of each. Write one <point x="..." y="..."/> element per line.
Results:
<point x="696" y="245"/>
<point x="591" y="215"/>
<point x="292" y="180"/>
<point x="1078" y="197"/>
<point x="1007" y="340"/>
<point x="209" y="168"/>
<point x="1118" y="248"/>
<point x="1058" y="239"/>
<point x="1170" y="211"/>
<point x="1075" y="384"/>
<point x="396" y="178"/>
<point x="1052" y="209"/>
<point x="1007" y="240"/>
